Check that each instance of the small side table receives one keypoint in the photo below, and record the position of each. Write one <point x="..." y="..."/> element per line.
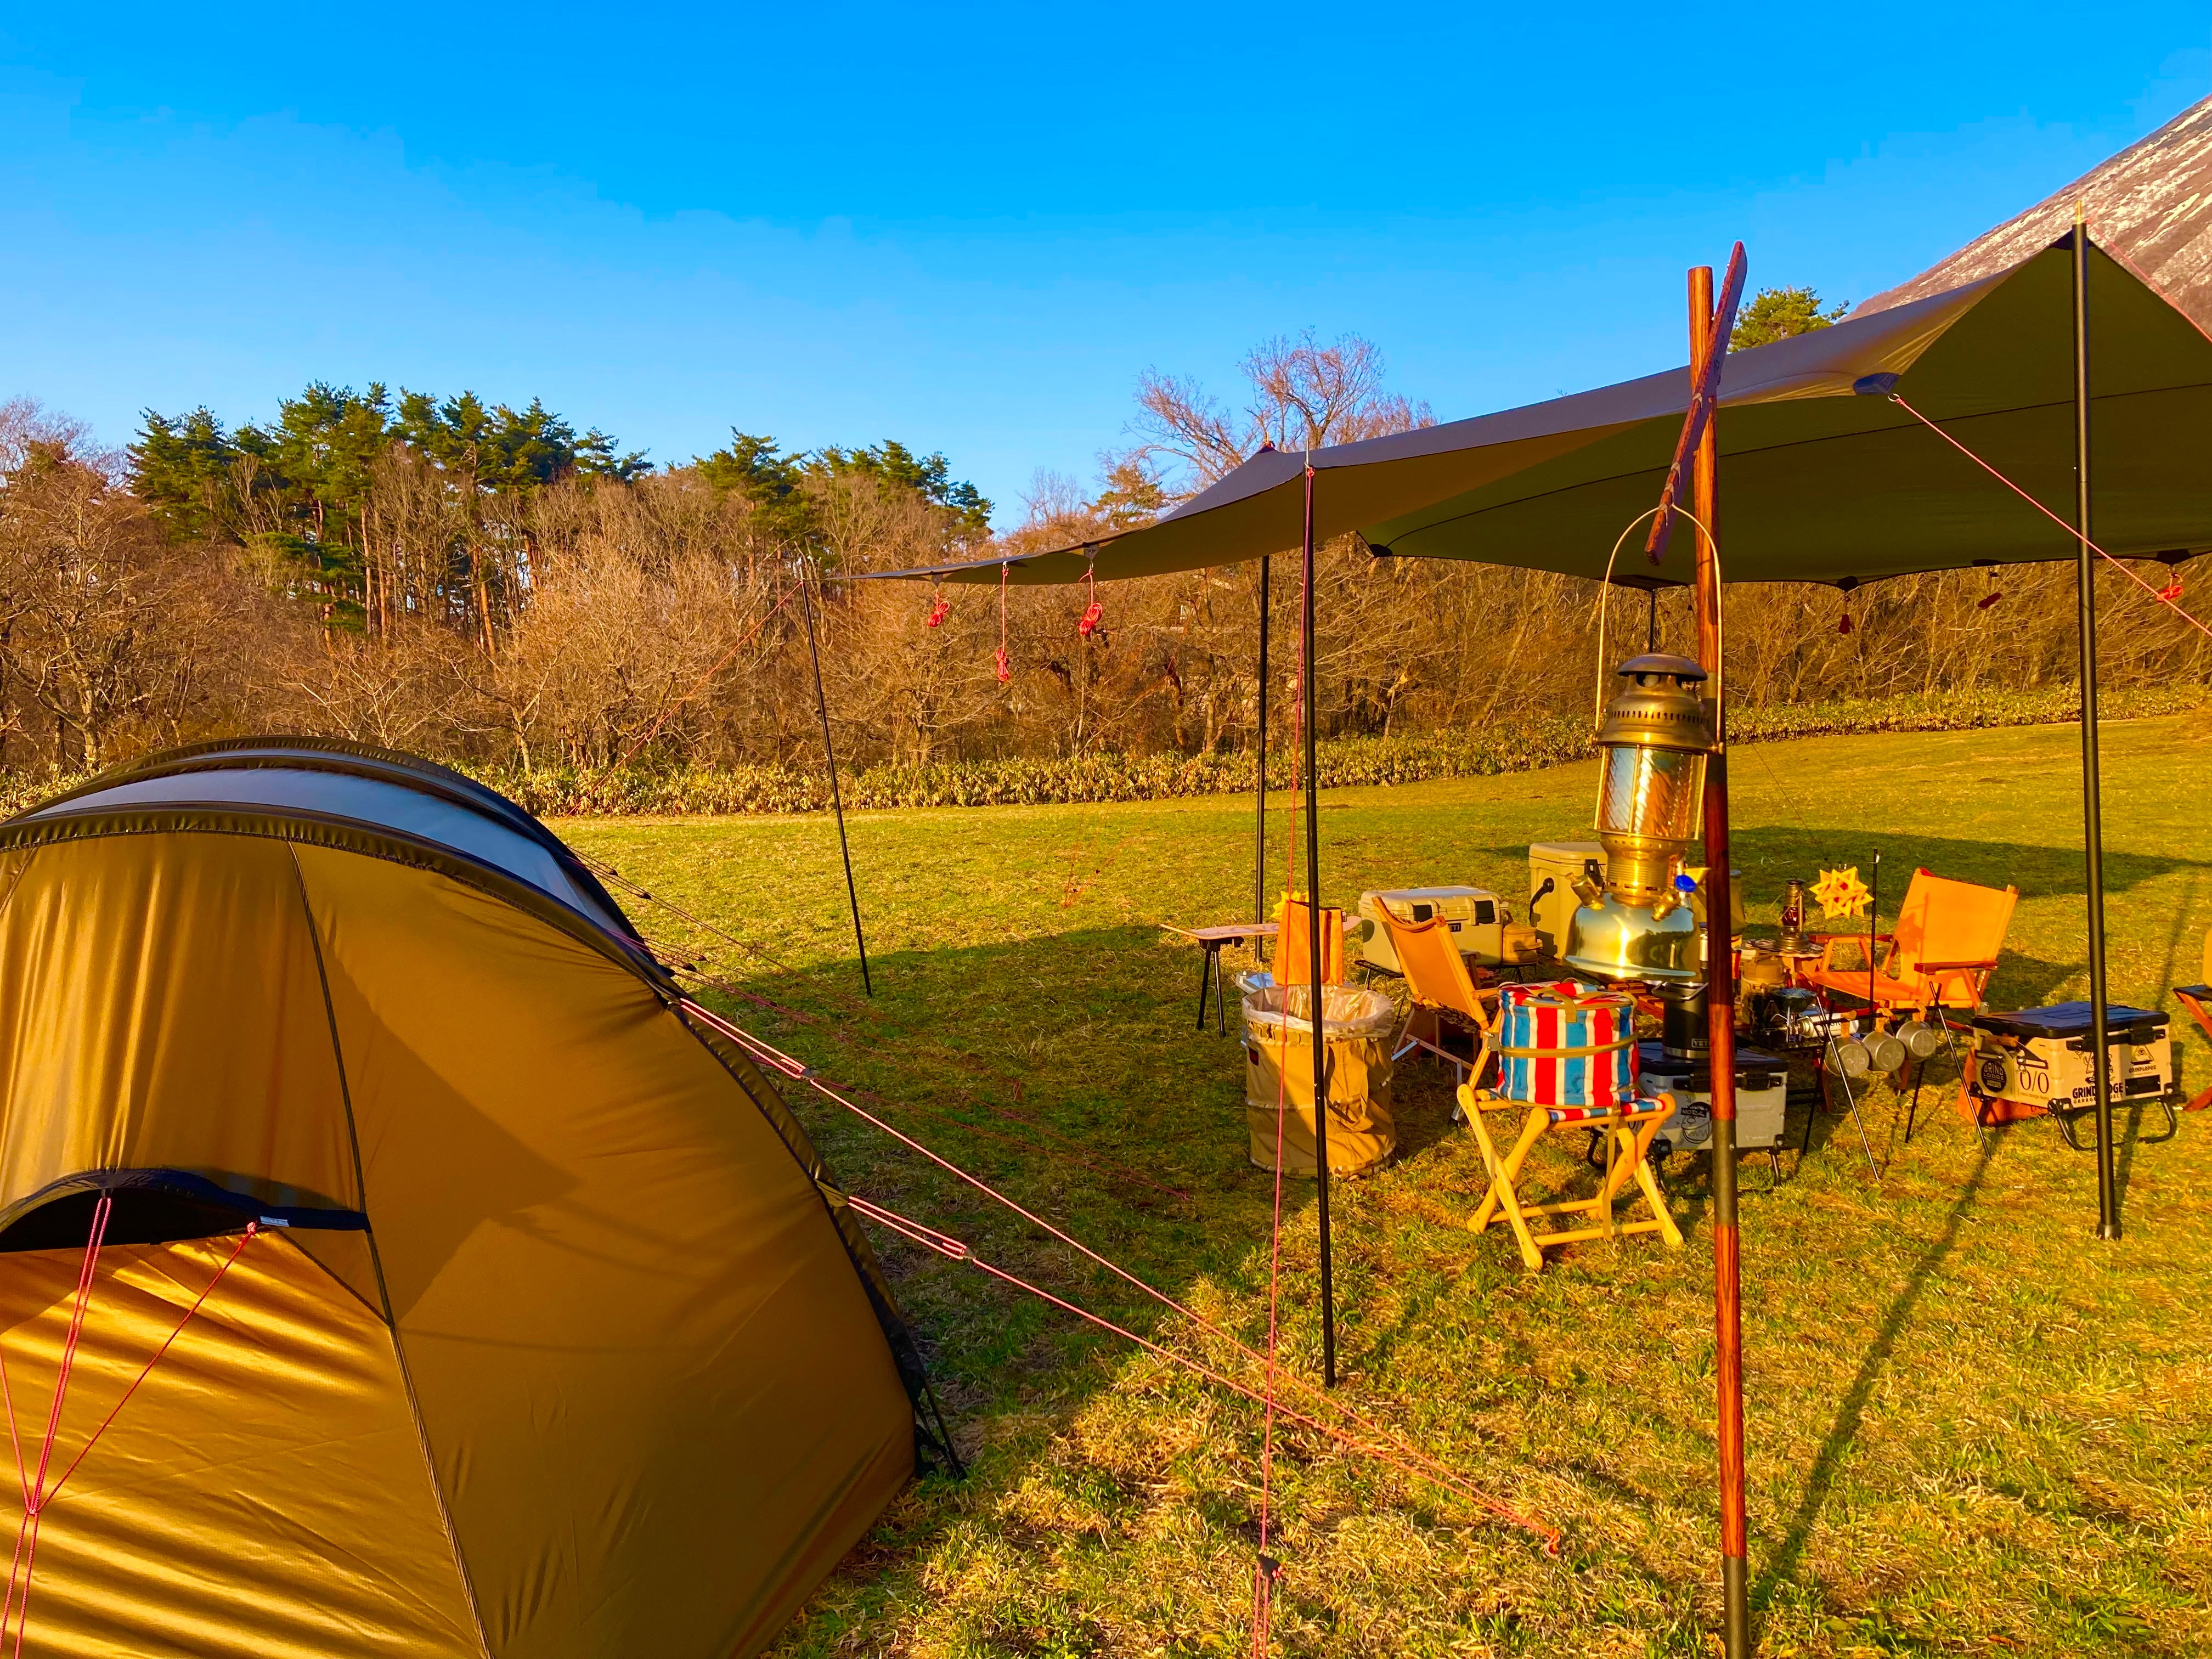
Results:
<point x="1209" y="970"/>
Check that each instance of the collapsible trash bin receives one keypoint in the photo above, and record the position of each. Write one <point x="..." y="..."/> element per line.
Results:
<point x="1356" y="1027"/>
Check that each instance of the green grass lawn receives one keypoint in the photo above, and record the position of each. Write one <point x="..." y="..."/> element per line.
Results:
<point x="1973" y="1428"/>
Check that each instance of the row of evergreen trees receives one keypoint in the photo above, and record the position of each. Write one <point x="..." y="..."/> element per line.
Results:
<point x="374" y="506"/>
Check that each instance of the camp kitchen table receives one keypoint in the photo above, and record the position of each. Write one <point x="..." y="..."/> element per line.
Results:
<point x="1209" y="970"/>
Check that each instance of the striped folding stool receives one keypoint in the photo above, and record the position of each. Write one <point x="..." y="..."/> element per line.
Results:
<point x="1566" y="1056"/>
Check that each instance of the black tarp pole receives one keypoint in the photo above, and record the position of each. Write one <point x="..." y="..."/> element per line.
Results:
<point x="1313" y="943"/>
<point x="1259" y="829"/>
<point x="2092" y="814"/>
<point x="830" y="754"/>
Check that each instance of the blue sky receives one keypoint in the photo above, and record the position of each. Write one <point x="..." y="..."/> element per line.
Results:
<point x="973" y="228"/>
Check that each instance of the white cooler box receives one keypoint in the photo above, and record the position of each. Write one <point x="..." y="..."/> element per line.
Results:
<point x="1479" y="922"/>
<point x="1560" y="863"/>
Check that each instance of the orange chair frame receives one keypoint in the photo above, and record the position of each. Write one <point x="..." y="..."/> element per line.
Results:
<point x="1438" y="981"/>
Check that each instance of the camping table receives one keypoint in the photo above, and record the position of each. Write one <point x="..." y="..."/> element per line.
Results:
<point x="1209" y="969"/>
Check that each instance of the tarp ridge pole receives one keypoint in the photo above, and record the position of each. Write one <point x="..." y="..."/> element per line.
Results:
<point x="836" y="801"/>
<point x="2092" y="817"/>
<point x="1319" y="1008"/>
<point x="1720" y="993"/>
<point x="1259" y="830"/>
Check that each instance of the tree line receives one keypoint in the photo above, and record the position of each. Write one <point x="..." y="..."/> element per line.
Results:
<point x="484" y="582"/>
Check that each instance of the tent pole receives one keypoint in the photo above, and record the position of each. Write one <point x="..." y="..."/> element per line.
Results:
<point x="1259" y="823"/>
<point x="1720" y="1020"/>
<point x="2100" y="1058"/>
<point x="1312" y="940"/>
<point x="830" y="754"/>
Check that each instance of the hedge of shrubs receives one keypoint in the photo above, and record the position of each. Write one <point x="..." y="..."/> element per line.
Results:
<point x="1520" y="744"/>
<point x="1512" y="746"/>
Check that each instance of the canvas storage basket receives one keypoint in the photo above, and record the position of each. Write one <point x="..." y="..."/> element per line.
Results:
<point x="1357" y="1029"/>
<point x="1565" y="1044"/>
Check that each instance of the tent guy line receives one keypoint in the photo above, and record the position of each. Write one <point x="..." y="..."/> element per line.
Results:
<point x="954" y="1249"/>
<point x="2163" y="596"/>
<point x="736" y="1033"/>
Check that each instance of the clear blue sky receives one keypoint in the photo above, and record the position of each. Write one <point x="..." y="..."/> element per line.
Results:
<point x="972" y="228"/>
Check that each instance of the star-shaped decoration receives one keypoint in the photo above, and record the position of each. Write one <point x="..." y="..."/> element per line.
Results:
<point x="1841" y="893"/>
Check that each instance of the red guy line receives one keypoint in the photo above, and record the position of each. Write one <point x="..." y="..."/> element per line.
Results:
<point x="2070" y="530"/>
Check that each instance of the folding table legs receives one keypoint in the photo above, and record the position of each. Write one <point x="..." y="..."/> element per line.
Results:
<point x="1209" y="967"/>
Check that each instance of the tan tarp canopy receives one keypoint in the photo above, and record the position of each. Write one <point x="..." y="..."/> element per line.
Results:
<point x="1822" y="477"/>
<point x="555" y="1342"/>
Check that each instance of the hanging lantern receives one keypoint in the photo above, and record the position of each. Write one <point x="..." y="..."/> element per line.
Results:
<point x="1657" y="732"/>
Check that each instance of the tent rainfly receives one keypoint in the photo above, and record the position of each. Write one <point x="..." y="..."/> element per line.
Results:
<point x="1828" y="477"/>
<point x="513" y="1314"/>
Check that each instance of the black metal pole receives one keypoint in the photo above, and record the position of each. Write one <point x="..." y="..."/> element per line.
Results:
<point x="1873" y="927"/>
<point x="1259" y="826"/>
<point x="830" y="754"/>
<point x="1313" y="943"/>
<point x="2100" y="1058"/>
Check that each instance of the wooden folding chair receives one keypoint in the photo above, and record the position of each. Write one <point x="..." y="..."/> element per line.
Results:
<point x="1438" y="981"/>
<point x="1628" y="1132"/>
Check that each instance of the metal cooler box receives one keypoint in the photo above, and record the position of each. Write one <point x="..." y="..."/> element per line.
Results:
<point x="1762" y="1092"/>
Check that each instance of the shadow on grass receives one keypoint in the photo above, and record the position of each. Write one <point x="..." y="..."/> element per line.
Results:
<point x="1850" y="1415"/>
<point x="2038" y="872"/>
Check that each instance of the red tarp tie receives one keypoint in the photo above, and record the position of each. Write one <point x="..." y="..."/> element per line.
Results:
<point x="1094" y="610"/>
<point x="1312" y="1390"/>
<point x="939" y="605"/>
<point x="955" y="1250"/>
<point x="38" y="1496"/>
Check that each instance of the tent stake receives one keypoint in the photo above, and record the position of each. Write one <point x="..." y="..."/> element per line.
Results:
<point x="1720" y="1019"/>
<point x="1260" y="827"/>
<point x="836" y="803"/>
<point x="1313" y="919"/>
<point x="2100" y="1057"/>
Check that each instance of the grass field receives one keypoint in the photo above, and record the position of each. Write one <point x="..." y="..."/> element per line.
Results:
<point x="1973" y="1428"/>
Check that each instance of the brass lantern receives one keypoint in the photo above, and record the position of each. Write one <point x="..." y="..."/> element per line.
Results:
<point x="1656" y="734"/>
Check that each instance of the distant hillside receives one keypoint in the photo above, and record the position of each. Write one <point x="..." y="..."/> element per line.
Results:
<point x="2151" y="204"/>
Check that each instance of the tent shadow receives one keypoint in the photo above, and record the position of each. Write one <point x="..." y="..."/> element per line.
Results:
<point x="1769" y="854"/>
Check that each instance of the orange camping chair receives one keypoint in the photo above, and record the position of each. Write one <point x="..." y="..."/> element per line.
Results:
<point x="1940" y="955"/>
<point x="1294" y="943"/>
<point x="1441" y="987"/>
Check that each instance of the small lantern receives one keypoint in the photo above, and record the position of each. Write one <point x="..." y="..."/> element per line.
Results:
<point x="1656" y="733"/>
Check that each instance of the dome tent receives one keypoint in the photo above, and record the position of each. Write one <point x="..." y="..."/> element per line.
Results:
<point x="535" y="1328"/>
